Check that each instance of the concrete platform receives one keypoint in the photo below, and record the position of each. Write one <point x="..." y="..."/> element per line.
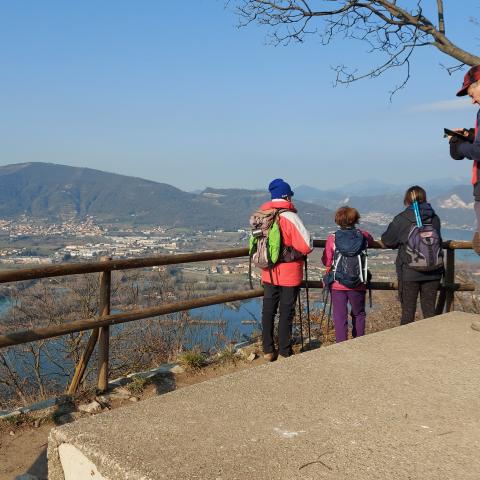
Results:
<point x="400" y="404"/>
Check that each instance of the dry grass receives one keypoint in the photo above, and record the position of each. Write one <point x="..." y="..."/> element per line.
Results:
<point x="192" y="360"/>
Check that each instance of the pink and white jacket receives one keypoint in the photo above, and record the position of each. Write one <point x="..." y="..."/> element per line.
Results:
<point x="294" y="234"/>
<point x="327" y="259"/>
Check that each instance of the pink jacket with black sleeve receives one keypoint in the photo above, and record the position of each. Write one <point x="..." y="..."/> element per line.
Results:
<point x="328" y="254"/>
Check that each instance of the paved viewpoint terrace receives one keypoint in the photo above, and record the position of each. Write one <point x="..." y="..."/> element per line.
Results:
<point x="399" y="404"/>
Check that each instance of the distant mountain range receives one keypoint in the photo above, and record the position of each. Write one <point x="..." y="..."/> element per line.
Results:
<point x="453" y="202"/>
<point x="60" y="192"/>
<point x="372" y="189"/>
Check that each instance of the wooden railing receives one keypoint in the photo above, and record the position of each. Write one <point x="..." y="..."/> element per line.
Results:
<point x="100" y="325"/>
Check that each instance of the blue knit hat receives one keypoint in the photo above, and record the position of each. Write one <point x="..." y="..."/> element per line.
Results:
<point x="280" y="189"/>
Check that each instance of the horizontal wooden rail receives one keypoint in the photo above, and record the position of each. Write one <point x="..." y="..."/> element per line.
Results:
<point x="122" y="264"/>
<point x="63" y="269"/>
<point x="26" y="336"/>
<point x="457" y="245"/>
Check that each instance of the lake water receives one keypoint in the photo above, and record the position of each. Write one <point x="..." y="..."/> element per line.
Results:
<point x="462" y="255"/>
<point x="217" y="326"/>
<point x="241" y="318"/>
<point x="4" y="304"/>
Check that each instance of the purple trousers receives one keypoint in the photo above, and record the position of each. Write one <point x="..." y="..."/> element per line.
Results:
<point x="340" y="301"/>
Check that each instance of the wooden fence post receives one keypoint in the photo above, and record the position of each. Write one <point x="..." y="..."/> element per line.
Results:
<point x="449" y="280"/>
<point x="83" y="362"/>
<point x="440" y="305"/>
<point x="440" y="302"/>
<point x="104" y="332"/>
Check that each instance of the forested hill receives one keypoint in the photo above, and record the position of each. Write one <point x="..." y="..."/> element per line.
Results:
<point x="59" y="192"/>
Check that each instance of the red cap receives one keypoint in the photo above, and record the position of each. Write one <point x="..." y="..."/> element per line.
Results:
<point x="472" y="76"/>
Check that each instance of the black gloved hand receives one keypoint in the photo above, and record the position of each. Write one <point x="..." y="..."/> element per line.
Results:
<point x="455" y="142"/>
<point x="471" y="135"/>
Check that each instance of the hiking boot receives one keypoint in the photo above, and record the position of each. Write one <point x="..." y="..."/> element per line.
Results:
<point x="476" y="243"/>
<point x="476" y="325"/>
<point x="269" y="357"/>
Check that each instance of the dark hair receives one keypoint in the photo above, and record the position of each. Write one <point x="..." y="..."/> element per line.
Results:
<point x="347" y="216"/>
<point x="414" y="193"/>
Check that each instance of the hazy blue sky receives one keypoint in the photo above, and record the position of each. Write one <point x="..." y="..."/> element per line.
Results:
<point x="173" y="91"/>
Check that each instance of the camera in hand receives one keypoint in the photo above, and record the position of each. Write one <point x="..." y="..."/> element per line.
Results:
<point x="465" y="134"/>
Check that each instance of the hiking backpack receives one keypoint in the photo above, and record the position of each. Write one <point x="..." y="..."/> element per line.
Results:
<point x="265" y="242"/>
<point x="265" y="238"/>
<point x="350" y="259"/>
<point x="424" y="248"/>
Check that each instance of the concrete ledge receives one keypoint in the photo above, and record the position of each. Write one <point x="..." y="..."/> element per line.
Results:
<point x="399" y="404"/>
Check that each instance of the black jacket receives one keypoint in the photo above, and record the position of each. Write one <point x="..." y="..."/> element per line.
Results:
<point x="396" y="236"/>
<point x="459" y="149"/>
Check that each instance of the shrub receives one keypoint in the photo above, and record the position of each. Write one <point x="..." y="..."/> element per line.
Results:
<point x="192" y="360"/>
<point x="137" y="385"/>
<point x="226" y="356"/>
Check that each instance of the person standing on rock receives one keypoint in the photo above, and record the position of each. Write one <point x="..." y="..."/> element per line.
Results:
<point x="281" y="277"/>
<point x="468" y="146"/>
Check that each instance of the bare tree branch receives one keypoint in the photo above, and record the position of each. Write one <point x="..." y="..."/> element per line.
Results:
<point x="441" y="19"/>
<point x="391" y="30"/>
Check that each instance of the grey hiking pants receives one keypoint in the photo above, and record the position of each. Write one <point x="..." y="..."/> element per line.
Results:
<point x="476" y="206"/>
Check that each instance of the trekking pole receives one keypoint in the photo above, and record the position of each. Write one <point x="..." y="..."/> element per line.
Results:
<point x="308" y="305"/>
<point x="300" y="318"/>
<point x="324" y="308"/>
<point x="250" y="271"/>
<point x="329" y="315"/>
